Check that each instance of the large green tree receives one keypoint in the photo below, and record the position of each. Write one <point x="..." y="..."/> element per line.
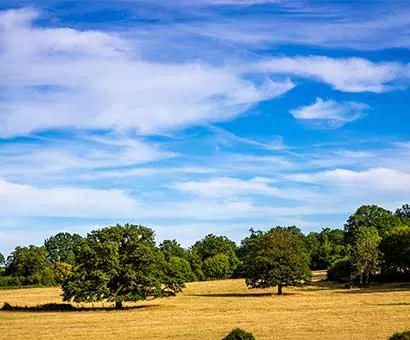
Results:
<point x="365" y="255"/>
<point x="120" y="263"/>
<point x="212" y="245"/>
<point x="276" y="258"/>
<point x="30" y="266"/>
<point x="325" y="247"/>
<point x="396" y="252"/>
<point x="371" y="216"/>
<point x="60" y="247"/>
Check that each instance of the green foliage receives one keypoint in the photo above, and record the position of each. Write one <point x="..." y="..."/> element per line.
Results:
<point x="217" y="267"/>
<point x="30" y="266"/>
<point x="365" y="254"/>
<point x="177" y="272"/>
<point x="61" y="271"/>
<point x="401" y="336"/>
<point x="171" y="248"/>
<point x="325" y="247"/>
<point x="119" y="263"/>
<point x="239" y="334"/>
<point x="196" y="266"/>
<point x="371" y="216"/>
<point x="277" y="258"/>
<point x="340" y="270"/>
<point x="10" y="281"/>
<point x="2" y="260"/>
<point x="404" y="214"/>
<point x="396" y="250"/>
<point x="212" y="245"/>
<point x="60" y="247"/>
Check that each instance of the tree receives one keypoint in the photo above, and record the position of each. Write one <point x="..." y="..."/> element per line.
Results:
<point x="365" y="252"/>
<point x="325" y="247"/>
<point x="396" y="252"/>
<point x="119" y="263"/>
<point x="217" y="267"/>
<point x="277" y="258"/>
<point x="61" y="271"/>
<point x="177" y="259"/>
<point x="2" y="260"/>
<point x="30" y="266"/>
<point x="400" y="336"/>
<point x="60" y="247"/>
<point x="371" y="216"/>
<point x="404" y="214"/>
<point x="212" y="245"/>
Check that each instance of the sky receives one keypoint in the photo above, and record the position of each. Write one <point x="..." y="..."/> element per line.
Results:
<point x="200" y="116"/>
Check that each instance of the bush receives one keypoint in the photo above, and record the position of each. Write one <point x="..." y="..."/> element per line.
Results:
<point x="217" y="267"/>
<point x="340" y="270"/>
<point x="239" y="334"/>
<point x="10" y="281"/>
<point x="400" y="336"/>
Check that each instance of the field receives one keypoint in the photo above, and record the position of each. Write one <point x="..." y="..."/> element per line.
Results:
<point x="209" y="310"/>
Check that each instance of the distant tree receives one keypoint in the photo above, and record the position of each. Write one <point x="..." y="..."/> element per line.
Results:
<point x="371" y="216"/>
<point x="119" y="263"/>
<point x="396" y="252"/>
<point x="365" y="255"/>
<point x="196" y="266"/>
<point x="30" y="265"/>
<point x="239" y="334"/>
<point x="212" y="245"/>
<point x="2" y="263"/>
<point x="277" y="258"/>
<point x="325" y="247"/>
<point x="177" y="259"/>
<point x="60" y="247"/>
<point x="172" y="248"/>
<point x="404" y="214"/>
<point x="177" y="272"/>
<point x="217" y="267"/>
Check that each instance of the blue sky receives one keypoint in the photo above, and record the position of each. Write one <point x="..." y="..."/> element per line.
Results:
<point x="200" y="116"/>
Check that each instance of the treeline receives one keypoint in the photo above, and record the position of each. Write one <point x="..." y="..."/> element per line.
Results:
<point x="375" y="242"/>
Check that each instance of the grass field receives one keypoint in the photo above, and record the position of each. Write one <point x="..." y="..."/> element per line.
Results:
<point x="209" y="310"/>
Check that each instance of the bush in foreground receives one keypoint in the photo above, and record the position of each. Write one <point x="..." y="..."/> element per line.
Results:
<point x="400" y="336"/>
<point x="239" y="334"/>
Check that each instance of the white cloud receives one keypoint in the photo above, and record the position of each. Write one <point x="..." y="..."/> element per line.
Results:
<point x="65" y="78"/>
<point x="334" y="113"/>
<point x="346" y="74"/>
<point x="227" y="187"/>
<point x="27" y="200"/>
<point x="370" y="182"/>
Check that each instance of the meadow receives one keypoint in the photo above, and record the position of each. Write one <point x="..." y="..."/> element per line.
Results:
<point x="209" y="310"/>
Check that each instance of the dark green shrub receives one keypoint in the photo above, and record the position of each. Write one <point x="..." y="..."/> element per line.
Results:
<point x="239" y="334"/>
<point x="10" y="281"/>
<point x="340" y="270"/>
<point x="400" y="336"/>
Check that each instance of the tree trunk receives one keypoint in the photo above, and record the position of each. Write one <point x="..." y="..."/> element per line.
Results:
<point x="280" y="291"/>
<point x="118" y="305"/>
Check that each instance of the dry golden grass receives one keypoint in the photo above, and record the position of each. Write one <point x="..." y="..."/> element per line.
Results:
<point x="209" y="310"/>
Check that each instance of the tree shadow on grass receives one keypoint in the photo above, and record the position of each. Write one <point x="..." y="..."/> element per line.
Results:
<point x="234" y="295"/>
<point x="378" y="288"/>
<point x="66" y="307"/>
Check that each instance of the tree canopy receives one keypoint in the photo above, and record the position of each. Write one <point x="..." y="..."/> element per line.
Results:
<point x="119" y="263"/>
<point x="30" y="266"/>
<point x="60" y="247"/>
<point x="210" y="250"/>
<point x="371" y="216"/>
<point x="276" y="258"/>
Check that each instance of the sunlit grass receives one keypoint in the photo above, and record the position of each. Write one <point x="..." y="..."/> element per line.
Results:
<point x="209" y="310"/>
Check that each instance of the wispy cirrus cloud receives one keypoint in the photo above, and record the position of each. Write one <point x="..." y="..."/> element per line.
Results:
<point x="90" y="79"/>
<point x="333" y="114"/>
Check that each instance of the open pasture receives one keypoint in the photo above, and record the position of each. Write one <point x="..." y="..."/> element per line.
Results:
<point x="209" y="310"/>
